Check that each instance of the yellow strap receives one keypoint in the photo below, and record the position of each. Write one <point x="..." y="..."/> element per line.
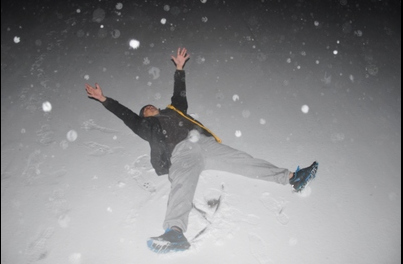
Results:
<point x="194" y="122"/>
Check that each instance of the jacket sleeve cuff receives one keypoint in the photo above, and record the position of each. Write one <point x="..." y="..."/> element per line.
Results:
<point x="106" y="102"/>
<point x="179" y="74"/>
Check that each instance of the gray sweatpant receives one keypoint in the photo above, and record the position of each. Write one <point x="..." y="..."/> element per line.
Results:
<point x="189" y="159"/>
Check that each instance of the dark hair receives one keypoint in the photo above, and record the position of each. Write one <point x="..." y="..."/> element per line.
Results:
<point x="142" y="110"/>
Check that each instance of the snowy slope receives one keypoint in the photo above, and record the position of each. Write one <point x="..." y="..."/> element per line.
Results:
<point x="76" y="183"/>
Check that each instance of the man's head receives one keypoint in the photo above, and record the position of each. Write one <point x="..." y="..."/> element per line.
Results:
<point x="149" y="110"/>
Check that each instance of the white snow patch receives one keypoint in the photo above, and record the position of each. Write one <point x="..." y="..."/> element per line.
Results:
<point x="194" y="136"/>
<point x="75" y="258"/>
<point x="306" y="192"/>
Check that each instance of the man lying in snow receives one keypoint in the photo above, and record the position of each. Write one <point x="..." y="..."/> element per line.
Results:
<point x="182" y="147"/>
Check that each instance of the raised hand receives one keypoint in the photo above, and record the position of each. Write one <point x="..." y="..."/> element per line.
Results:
<point x="95" y="92"/>
<point x="181" y="58"/>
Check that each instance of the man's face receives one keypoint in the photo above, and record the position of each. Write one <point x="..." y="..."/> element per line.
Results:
<point x="150" y="110"/>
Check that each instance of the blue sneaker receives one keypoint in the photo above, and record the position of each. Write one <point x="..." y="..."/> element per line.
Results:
<point x="302" y="177"/>
<point x="171" y="240"/>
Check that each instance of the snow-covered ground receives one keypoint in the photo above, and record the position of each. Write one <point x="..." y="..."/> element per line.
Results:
<point x="289" y="82"/>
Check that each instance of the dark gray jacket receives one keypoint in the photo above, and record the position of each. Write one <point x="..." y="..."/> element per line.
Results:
<point x="163" y="132"/>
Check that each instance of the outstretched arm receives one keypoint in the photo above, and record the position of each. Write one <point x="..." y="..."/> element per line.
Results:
<point x="181" y="58"/>
<point x="179" y="100"/>
<point x="137" y="124"/>
<point x="95" y="92"/>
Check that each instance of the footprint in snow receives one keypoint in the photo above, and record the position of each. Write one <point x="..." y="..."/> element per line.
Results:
<point x="276" y="207"/>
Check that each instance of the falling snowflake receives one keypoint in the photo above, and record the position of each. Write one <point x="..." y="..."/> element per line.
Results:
<point x="72" y="135"/>
<point x="119" y="6"/>
<point x="47" y="107"/>
<point x="146" y="61"/>
<point x="115" y="33"/>
<point x="134" y="44"/>
<point x="305" y="109"/>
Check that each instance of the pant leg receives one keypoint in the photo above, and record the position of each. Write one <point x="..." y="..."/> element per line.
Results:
<point x="223" y="158"/>
<point x="187" y="165"/>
